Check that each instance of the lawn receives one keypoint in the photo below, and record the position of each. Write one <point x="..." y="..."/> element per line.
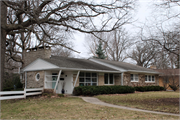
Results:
<point x="67" y="108"/>
<point x="156" y="101"/>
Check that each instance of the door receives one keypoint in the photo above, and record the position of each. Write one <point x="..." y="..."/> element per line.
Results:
<point x="54" y="79"/>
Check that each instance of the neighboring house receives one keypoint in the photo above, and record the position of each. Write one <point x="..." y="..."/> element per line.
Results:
<point x="168" y="77"/>
<point x="55" y="73"/>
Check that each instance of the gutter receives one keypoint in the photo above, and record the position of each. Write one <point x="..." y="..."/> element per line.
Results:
<point x="143" y="71"/>
<point x="75" y="69"/>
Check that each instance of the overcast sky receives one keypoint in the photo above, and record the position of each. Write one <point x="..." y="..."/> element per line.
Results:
<point x="145" y="14"/>
<point x="142" y="14"/>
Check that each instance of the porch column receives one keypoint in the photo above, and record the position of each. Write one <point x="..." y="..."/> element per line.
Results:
<point x="76" y="80"/>
<point x="122" y="78"/>
<point x="57" y="80"/>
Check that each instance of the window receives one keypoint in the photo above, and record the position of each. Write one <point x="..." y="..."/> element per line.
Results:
<point x="149" y="78"/>
<point x="108" y="78"/>
<point x="87" y="79"/>
<point x="134" y="78"/>
<point x="37" y="77"/>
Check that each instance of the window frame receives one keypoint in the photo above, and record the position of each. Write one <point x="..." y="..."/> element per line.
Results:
<point x="151" y="78"/>
<point x="134" y="77"/>
<point x="108" y="79"/>
<point x="91" y="78"/>
<point x="37" y="79"/>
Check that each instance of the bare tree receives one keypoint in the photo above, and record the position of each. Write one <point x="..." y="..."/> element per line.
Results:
<point x="118" y="43"/>
<point x="170" y="6"/>
<point x="143" y="53"/>
<point x="115" y="44"/>
<point x="61" y="51"/>
<point x="63" y="15"/>
<point x="168" y="40"/>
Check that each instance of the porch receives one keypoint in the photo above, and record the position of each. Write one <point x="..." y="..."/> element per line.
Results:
<point x="58" y="80"/>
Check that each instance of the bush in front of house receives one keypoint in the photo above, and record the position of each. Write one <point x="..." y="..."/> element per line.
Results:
<point x="97" y="90"/>
<point x="148" y="88"/>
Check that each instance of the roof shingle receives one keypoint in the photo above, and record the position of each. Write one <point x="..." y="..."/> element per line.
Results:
<point x="77" y="63"/>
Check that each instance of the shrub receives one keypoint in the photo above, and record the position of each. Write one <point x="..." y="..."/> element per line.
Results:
<point x="11" y="79"/>
<point x="148" y="88"/>
<point x="174" y="87"/>
<point x="44" y="94"/>
<point x="97" y="90"/>
<point x="61" y="95"/>
<point x="8" y="89"/>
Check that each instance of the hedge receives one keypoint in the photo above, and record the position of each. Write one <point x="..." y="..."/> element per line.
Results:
<point x="148" y="88"/>
<point x="97" y="90"/>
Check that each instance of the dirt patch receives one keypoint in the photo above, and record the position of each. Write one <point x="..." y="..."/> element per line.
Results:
<point x="168" y="101"/>
<point x="161" y="101"/>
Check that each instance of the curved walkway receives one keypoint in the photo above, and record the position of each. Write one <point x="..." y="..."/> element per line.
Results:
<point x="98" y="102"/>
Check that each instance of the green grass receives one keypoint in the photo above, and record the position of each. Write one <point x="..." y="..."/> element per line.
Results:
<point x="67" y="108"/>
<point x="156" y="101"/>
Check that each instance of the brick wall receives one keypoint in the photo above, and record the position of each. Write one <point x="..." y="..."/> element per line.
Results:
<point x="100" y="80"/>
<point x="117" y="79"/>
<point x="32" y="82"/>
<point x="33" y="55"/>
<point x="141" y="82"/>
<point x="170" y="81"/>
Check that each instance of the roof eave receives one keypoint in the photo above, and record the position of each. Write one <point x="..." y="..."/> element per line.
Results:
<point x="143" y="71"/>
<point x="78" y="69"/>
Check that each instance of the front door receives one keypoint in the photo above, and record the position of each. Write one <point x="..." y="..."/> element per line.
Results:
<point x="54" y="79"/>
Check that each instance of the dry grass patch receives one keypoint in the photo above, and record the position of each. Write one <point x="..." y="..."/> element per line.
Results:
<point x="67" y="108"/>
<point x="156" y="101"/>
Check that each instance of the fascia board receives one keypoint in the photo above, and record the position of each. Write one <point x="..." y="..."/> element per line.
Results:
<point x="137" y="71"/>
<point x="78" y="69"/>
<point x="108" y="65"/>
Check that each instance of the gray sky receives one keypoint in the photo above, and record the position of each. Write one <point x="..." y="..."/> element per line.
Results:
<point x="142" y="14"/>
<point x="145" y="14"/>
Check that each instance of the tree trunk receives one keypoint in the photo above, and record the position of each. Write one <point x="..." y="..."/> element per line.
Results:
<point x="3" y="42"/>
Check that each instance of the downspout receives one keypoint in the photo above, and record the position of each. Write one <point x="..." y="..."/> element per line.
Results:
<point x="122" y="78"/>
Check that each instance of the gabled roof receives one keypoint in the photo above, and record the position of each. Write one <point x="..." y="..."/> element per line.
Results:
<point x="74" y="63"/>
<point x="66" y="63"/>
<point x="126" y="67"/>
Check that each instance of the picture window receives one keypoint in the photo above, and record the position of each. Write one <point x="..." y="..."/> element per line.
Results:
<point x="87" y="79"/>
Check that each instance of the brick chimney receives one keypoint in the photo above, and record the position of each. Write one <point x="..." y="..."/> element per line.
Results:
<point x="153" y="67"/>
<point x="37" y="52"/>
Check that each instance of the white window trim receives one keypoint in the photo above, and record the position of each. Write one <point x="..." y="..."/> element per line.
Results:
<point x="36" y="77"/>
<point x="108" y="79"/>
<point x="134" y="77"/>
<point x="151" y="79"/>
<point x="88" y="77"/>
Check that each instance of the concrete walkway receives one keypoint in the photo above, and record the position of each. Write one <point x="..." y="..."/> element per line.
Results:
<point x="98" y="102"/>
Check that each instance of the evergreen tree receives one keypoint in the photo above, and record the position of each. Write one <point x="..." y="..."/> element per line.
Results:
<point x="100" y="52"/>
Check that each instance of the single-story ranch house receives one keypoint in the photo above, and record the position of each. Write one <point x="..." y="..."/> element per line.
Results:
<point x="55" y="73"/>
